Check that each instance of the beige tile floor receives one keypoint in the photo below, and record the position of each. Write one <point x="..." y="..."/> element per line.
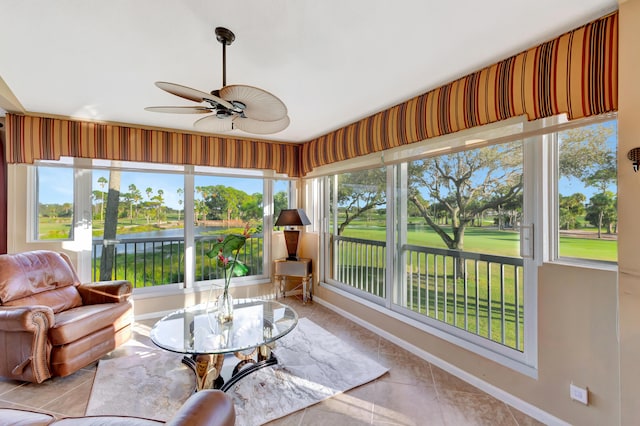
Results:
<point x="413" y="392"/>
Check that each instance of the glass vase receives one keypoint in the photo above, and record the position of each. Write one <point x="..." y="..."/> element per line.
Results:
<point x="225" y="308"/>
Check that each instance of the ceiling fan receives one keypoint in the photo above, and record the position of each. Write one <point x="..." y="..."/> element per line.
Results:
<point x="246" y="108"/>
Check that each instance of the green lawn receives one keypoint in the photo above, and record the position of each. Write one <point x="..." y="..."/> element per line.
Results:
<point x="489" y="302"/>
<point x="501" y="243"/>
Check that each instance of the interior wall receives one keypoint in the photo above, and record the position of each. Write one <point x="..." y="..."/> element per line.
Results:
<point x="576" y="338"/>
<point x="3" y="191"/>
<point x="628" y="208"/>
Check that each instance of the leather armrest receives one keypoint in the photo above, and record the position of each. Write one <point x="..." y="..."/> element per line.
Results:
<point x="209" y="407"/>
<point x="26" y="318"/>
<point x="26" y="348"/>
<point x="116" y="291"/>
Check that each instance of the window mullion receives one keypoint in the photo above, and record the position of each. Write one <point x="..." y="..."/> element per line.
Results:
<point x="189" y="229"/>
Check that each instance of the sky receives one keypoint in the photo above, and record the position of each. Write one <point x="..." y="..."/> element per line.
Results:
<point x="57" y="184"/>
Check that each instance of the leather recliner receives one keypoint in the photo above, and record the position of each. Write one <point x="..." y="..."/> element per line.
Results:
<point x="50" y="323"/>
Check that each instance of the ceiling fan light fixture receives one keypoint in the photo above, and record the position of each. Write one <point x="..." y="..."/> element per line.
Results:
<point x="214" y="124"/>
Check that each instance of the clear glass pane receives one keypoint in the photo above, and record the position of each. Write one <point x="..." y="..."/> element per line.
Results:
<point x="228" y="205"/>
<point x="280" y="197"/>
<point x="587" y="192"/>
<point x="138" y="227"/>
<point x="460" y="247"/>
<point x="358" y="209"/>
<point x="54" y="203"/>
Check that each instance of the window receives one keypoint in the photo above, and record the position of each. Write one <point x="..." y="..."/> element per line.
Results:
<point x="357" y="224"/>
<point x="462" y="213"/>
<point x="137" y="226"/>
<point x="459" y="241"/>
<point x="226" y="205"/>
<point x="587" y="192"/>
<point x="54" y="203"/>
<point x="154" y="224"/>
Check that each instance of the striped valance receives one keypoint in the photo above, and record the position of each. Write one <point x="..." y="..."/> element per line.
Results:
<point x="32" y="138"/>
<point x="575" y="74"/>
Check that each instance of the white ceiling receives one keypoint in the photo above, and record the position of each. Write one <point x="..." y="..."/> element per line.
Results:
<point x="332" y="62"/>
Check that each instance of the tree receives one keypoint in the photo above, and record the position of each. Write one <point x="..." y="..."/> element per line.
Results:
<point x="584" y="154"/>
<point x="465" y="184"/>
<point x="280" y="202"/>
<point x="135" y="197"/>
<point x="571" y="208"/>
<point x="110" y="226"/>
<point x="102" y="181"/>
<point x="602" y="211"/>
<point x="251" y="208"/>
<point x="360" y="192"/>
<point x="180" y="192"/>
<point x="159" y="201"/>
<point x="224" y="202"/>
<point x="149" y="205"/>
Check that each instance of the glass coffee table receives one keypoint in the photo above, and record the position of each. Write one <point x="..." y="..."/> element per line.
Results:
<point x="249" y="339"/>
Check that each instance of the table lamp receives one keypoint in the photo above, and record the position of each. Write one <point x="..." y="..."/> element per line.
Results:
<point x="292" y="217"/>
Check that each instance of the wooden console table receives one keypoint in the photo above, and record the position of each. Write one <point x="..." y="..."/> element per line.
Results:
<point x="300" y="268"/>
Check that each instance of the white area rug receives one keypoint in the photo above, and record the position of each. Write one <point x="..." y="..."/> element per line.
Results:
<point x="150" y="383"/>
<point x="313" y="365"/>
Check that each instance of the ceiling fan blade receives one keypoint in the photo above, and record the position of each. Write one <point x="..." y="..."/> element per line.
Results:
<point x="213" y="124"/>
<point x="191" y="94"/>
<point x="250" y="125"/>
<point x="180" y="109"/>
<point x="260" y="104"/>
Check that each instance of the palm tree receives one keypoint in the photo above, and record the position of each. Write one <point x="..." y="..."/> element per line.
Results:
<point x="134" y="195"/>
<point x="102" y="181"/>
<point x="180" y="192"/>
<point x="160" y="201"/>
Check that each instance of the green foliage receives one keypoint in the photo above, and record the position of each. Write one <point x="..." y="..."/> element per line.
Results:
<point x="464" y="185"/>
<point x="358" y="193"/>
<point x="571" y="208"/>
<point x="280" y="202"/>
<point x="602" y="211"/>
<point x="584" y="154"/>
<point x="226" y="251"/>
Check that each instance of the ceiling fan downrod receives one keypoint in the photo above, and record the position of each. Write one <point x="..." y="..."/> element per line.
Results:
<point x="225" y="37"/>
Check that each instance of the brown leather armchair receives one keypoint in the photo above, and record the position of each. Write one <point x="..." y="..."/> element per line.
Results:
<point x="207" y="408"/>
<point x="50" y="323"/>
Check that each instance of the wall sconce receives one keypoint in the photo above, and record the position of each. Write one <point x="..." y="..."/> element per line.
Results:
<point x="292" y="217"/>
<point x="634" y="155"/>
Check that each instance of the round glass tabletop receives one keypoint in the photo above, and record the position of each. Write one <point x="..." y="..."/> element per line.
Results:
<point x="195" y="330"/>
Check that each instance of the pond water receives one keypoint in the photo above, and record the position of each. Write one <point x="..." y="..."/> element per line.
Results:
<point x="158" y="234"/>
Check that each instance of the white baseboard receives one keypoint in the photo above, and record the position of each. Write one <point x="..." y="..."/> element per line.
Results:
<point x="507" y="398"/>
